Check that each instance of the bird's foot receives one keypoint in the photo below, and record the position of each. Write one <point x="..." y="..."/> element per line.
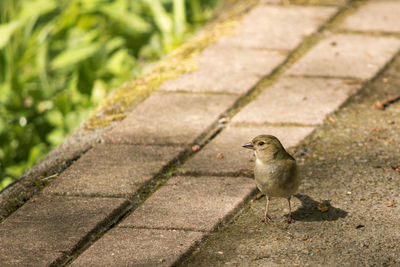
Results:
<point x="266" y="219"/>
<point x="289" y="219"/>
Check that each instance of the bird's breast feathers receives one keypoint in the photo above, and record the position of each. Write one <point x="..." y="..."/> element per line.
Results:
<point x="276" y="179"/>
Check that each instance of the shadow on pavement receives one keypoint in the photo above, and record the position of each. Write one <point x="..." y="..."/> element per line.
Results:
<point x="309" y="212"/>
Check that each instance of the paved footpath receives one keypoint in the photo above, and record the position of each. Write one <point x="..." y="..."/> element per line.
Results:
<point x="163" y="186"/>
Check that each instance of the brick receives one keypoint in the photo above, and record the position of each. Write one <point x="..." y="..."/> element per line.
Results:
<point x="297" y="100"/>
<point x="347" y="55"/>
<point x="191" y="203"/>
<point x="277" y="27"/>
<point x="52" y="225"/>
<point x="226" y="69"/>
<point x="170" y="118"/>
<point x="236" y="159"/>
<point x="113" y="170"/>
<point x="138" y="247"/>
<point x="382" y="16"/>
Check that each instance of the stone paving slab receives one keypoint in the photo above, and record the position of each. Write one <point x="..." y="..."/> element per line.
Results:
<point x="226" y="69"/>
<point x="52" y="224"/>
<point x="191" y="203"/>
<point x="347" y="55"/>
<point x="297" y="100"/>
<point x="381" y="16"/>
<point x="113" y="170"/>
<point x="138" y="247"/>
<point x="224" y="155"/>
<point x="170" y="118"/>
<point x="265" y="25"/>
<point x="18" y="257"/>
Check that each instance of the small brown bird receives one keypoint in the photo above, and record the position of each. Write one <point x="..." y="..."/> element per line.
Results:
<point x="275" y="170"/>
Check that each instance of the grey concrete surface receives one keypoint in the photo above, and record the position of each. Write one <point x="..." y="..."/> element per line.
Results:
<point x="224" y="68"/>
<point x="380" y="16"/>
<point x="191" y="203"/>
<point x="138" y="247"/>
<point x="14" y="256"/>
<point x="265" y="25"/>
<point x="299" y="100"/>
<point x="170" y="118"/>
<point x="113" y="170"/>
<point x="347" y="55"/>
<point x="51" y="225"/>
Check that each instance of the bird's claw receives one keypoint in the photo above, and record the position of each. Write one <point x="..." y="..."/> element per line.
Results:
<point x="266" y="219"/>
<point x="289" y="219"/>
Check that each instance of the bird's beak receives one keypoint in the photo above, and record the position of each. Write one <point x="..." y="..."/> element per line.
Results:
<point x="248" y="145"/>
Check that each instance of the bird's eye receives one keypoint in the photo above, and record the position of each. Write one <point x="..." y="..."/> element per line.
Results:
<point x="261" y="143"/>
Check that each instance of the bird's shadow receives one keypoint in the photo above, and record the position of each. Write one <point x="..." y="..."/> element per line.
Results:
<point x="313" y="211"/>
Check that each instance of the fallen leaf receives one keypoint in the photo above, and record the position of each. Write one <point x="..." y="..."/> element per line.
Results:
<point x="259" y="195"/>
<point x="368" y="54"/>
<point x="353" y="82"/>
<point x="220" y="252"/>
<point x="384" y="104"/>
<point x="389" y="204"/>
<point x="220" y="156"/>
<point x="246" y="172"/>
<point x="222" y="120"/>
<point x="379" y="105"/>
<point x="195" y="148"/>
<point x="396" y="168"/>
<point x="322" y="207"/>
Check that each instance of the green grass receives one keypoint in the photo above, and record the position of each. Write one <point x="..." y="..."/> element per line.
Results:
<point x="59" y="59"/>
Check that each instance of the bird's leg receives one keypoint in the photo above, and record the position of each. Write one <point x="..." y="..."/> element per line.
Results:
<point x="267" y="219"/>
<point x="289" y="218"/>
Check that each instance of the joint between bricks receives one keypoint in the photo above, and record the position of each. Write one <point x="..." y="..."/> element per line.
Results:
<point x="186" y="229"/>
<point x="183" y="91"/>
<point x="368" y="33"/>
<point x="99" y="230"/>
<point x="345" y="78"/>
<point x="247" y="174"/>
<point x="272" y="124"/>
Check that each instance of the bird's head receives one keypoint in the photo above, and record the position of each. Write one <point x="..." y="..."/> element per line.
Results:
<point x="266" y="148"/>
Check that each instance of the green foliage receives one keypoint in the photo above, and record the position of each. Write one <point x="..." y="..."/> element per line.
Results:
<point x="59" y="58"/>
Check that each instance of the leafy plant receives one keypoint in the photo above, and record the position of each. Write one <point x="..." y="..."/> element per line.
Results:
<point x="58" y="60"/>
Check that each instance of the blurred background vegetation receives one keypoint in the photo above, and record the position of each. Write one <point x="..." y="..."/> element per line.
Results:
<point x="59" y="58"/>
